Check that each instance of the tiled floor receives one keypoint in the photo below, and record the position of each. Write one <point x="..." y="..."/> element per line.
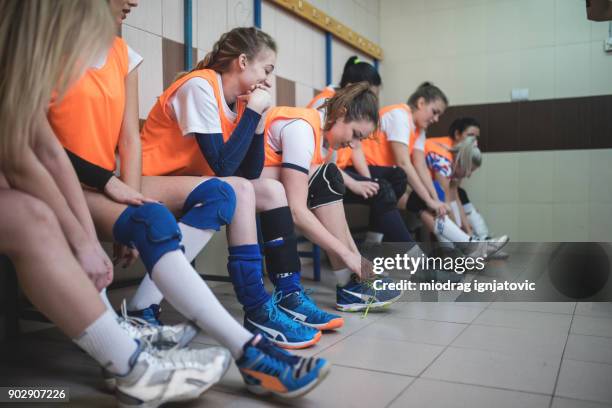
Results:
<point x="415" y="354"/>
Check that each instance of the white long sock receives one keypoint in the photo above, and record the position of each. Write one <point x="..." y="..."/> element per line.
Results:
<point x="445" y="228"/>
<point x="108" y="343"/>
<point x="107" y="302"/>
<point x="481" y="230"/>
<point x="455" y="207"/>
<point x="343" y="276"/>
<point x="147" y="294"/>
<point x="190" y="295"/>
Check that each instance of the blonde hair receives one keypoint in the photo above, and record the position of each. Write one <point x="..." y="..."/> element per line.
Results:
<point x="354" y="102"/>
<point x="467" y="155"/>
<point x="240" y="40"/>
<point x="44" y="46"/>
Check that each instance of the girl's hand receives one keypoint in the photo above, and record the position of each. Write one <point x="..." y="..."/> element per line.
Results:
<point x="125" y="253"/>
<point x="121" y="193"/>
<point x="441" y="209"/>
<point x="365" y="189"/>
<point x="96" y="264"/>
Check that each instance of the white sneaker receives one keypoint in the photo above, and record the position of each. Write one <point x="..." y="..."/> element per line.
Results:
<point x="160" y="376"/>
<point x="157" y="337"/>
<point x="178" y="335"/>
<point x="485" y="248"/>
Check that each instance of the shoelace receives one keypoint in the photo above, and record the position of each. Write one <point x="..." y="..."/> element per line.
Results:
<point x="277" y="316"/>
<point x="369" y="284"/>
<point x="270" y="349"/>
<point x="139" y="326"/>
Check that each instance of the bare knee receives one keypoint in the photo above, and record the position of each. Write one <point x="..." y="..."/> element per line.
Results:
<point x="30" y="223"/>
<point x="243" y="188"/>
<point x="270" y="194"/>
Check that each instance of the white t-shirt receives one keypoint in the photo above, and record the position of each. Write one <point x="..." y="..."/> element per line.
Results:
<point x="398" y="124"/>
<point x="134" y="60"/>
<point x="195" y="107"/>
<point x="294" y="140"/>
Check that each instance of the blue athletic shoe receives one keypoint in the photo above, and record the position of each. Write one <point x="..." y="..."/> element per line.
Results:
<point x="268" y="370"/>
<point x="358" y="295"/>
<point x="279" y="328"/>
<point x="149" y="315"/>
<point x="301" y="308"/>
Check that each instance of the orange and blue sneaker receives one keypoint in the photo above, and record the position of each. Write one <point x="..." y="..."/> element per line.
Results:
<point x="301" y="308"/>
<point x="278" y="327"/>
<point x="268" y="370"/>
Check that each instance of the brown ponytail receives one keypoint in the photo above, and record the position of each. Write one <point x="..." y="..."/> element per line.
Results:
<point x="241" y="40"/>
<point x="429" y="92"/>
<point x="354" y="102"/>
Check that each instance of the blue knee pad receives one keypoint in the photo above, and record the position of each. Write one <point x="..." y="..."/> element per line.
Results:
<point x="150" y="228"/>
<point x="210" y="205"/>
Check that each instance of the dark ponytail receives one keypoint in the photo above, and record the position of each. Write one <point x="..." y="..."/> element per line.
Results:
<point x="358" y="71"/>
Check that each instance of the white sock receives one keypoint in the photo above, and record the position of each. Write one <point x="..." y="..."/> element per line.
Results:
<point x="343" y="276"/>
<point x="147" y="294"/>
<point x="481" y="230"/>
<point x="194" y="240"/>
<point x="373" y="237"/>
<point x="106" y="301"/>
<point x="455" y="207"/>
<point x="445" y="228"/>
<point x="190" y="295"/>
<point x="108" y="344"/>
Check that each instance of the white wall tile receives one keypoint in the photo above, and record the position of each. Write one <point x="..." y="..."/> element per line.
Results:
<point x="538" y="72"/>
<point x="600" y="222"/>
<point x="173" y="21"/>
<point x="471" y="30"/>
<point x="501" y="219"/>
<point x="410" y="9"/>
<point x="503" y="74"/>
<point x="570" y="222"/>
<point x="147" y="16"/>
<point x="599" y="30"/>
<point x="535" y="222"/>
<point x="212" y="22"/>
<point x="303" y="94"/>
<point x="572" y="26"/>
<point x="268" y="18"/>
<point x="441" y="35"/>
<point x="470" y="76"/>
<point x="601" y="70"/>
<point x="601" y="176"/>
<point x="286" y="64"/>
<point x="304" y="47"/>
<point x="505" y="189"/>
<point x="239" y="13"/>
<point x="537" y="23"/>
<point x="571" y="181"/>
<point x="536" y="177"/>
<point x="503" y="19"/>
<point x="150" y="79"/>
<point x="318" y="59"/>
<point x="572" y="70"/>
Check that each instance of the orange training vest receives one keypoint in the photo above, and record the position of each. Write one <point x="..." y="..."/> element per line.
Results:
<point x="165" y="151"/>
<point x="377" y="150"/>
<point x="87" y="120"/>
<point x="274" y="159"/>
<point x="326" y="93"/>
